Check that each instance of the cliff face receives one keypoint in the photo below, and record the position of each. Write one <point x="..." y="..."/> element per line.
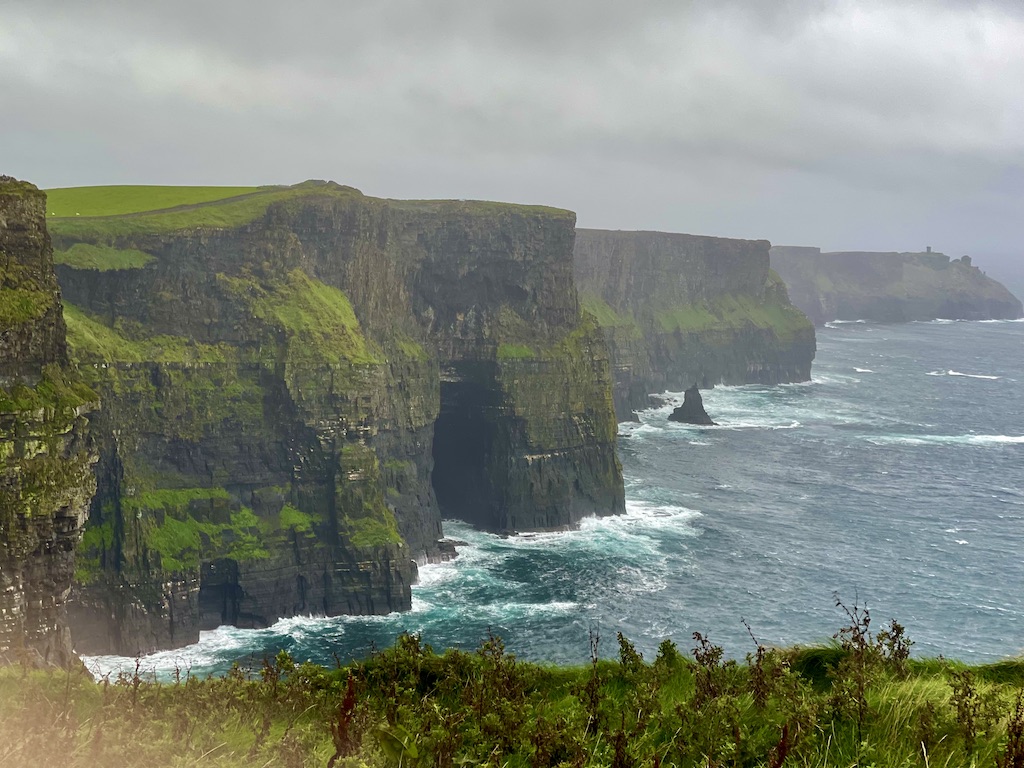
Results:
<point x="293" y="401"/>
<point x="890" y="287"/>
<point x="46" y="481"/>
<point x="681" y="309"/>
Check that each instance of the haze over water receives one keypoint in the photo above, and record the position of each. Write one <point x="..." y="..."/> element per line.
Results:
<point x="896" y="477"/>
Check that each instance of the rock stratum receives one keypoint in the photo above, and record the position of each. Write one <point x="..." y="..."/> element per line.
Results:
<point x="46" y="479"/>
<point x="890" y="287"/>
<point x="297" y="385"/>
<point x="677" y="309"/>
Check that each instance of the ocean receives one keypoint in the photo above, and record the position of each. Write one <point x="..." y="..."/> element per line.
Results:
<point x="893" y="479"/>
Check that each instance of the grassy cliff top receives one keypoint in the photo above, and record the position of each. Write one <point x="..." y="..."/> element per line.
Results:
<point x="99" y="214"/>
<point x="482" y="208"/>
<point x="120" y="212"/>
<point x="119" y="200"/>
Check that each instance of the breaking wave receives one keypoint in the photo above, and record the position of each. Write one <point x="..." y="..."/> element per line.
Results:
<point x="965" y="375"/>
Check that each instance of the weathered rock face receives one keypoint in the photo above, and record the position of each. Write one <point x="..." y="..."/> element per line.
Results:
<point x="692" y="410"/>
<point x="676" y="309"/>
<point x="890" y="287"/>
<point x="294" y="402"/>
<point x="46" y="482"/>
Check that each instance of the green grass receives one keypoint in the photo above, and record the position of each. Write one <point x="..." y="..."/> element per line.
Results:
<point x="603" y="312"/>
<point x="410" y="706"/>
<point x="730" y="312"/>
<point x="22" y="305"/>
<point x="119" y="200"/>
<point x="172" y="500"/>
<point x="191" y="528"/>
<point x="294" y="519"/>
<point x="91" y="341"/>
<point x="102" y="214"/>
<point x="410" y="349"/>
<point x="515" y="352"/>
<point x="373" y="531"/>
<point x="484" y="208"/>
<point x="317" y="319"/>
<point x="227" y="213"/>
<point x="623" y="324"/>
<point x="56" y="395"/>
<point x="101" y="257"/>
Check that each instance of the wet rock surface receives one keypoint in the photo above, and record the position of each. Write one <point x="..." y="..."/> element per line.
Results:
<point x="692" y="410"/>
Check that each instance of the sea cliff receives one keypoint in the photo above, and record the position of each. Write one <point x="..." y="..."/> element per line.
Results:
<point x="46" y="480"/>
<point x="299" y="382"/>
<point x="681" y="309"/>
<point x="890" y="287"/>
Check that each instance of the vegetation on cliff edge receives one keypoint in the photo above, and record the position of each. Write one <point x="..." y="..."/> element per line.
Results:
<point x="227" y="213"/>
<point x="91" y="341"/>
<point x="860" y="701"/>
<point x="318" y="320"/>
<point x="101" y="257"/>
<point x="55" y="397"/>
<point x="117" y="200"/>
<point x="104" y="214"/>
<point x="729" y="312"/>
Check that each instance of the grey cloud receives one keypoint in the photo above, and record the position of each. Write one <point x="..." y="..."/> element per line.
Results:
<point x="804" y="121"/>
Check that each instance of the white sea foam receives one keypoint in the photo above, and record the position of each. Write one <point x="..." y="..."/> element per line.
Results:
<point x="946" y="321"/>
<point x="834" y="379"/>
<point x="213" y="645"/>
<point x="862" y="370"/>
<point x="733" y="425"/>
<point x="964" y="375"/>
<point x="837" y="323"/>
<point x="973" y="375"/>
<point x="981" y="440"/>
<point x="433" y="574"/>
<point x="996" y="439"/>
<point x="647" y="428"/>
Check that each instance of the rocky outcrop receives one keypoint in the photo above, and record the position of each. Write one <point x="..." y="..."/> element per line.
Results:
<point x="692" y="410"/>
<point x="46" y="482"/>
<point x="299" y="384"/>
<point x="890" y="287"/>
<point x="677" y="308"/>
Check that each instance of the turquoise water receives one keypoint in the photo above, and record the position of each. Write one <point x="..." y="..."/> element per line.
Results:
<point x="895" y="477"/>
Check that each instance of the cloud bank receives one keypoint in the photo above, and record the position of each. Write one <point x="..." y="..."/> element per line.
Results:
<point x="845" y="124"/>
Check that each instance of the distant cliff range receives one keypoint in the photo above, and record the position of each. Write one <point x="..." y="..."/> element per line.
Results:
<point x="890" y="287"/>
<point x="677" y="309"/>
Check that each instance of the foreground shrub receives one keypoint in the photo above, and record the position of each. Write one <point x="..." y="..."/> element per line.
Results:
<point x="861" y="701"/>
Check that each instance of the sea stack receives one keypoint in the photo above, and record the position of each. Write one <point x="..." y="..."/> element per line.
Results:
<point x="692" y="410"/>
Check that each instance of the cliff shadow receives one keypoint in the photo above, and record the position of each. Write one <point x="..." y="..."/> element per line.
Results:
<point x="465" y="435"/>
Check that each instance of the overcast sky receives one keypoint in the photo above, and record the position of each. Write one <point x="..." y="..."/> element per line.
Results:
<point x="850" y="125"/>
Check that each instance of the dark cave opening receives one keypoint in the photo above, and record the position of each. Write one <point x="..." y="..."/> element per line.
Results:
<point x="464" y="437"/>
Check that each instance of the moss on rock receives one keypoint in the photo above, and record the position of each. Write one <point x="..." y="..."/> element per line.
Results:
<point x="101" y="257"/>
